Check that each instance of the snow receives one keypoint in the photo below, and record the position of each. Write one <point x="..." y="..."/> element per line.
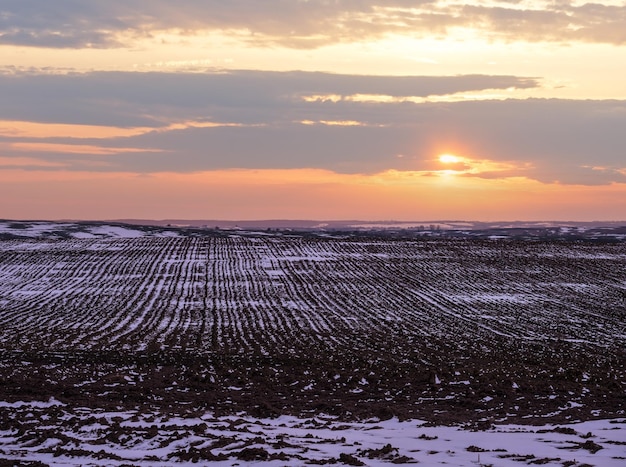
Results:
<point x="158" y="440"/>
<point x="84" y="235"/>
<point x="79" y="231"/>
<point x="52" y="402"/>
<point x="31" y="229"/>
<point x="115" y="231"/>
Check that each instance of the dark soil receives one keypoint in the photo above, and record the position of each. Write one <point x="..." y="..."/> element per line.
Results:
<point x="441" y="358"/>
<point x="451" y="388"/>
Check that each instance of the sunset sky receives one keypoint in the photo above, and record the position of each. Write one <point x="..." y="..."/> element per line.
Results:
<point x="313" y="109"/>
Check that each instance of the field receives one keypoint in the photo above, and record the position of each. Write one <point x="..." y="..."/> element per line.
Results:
<point x="268" y="324"/>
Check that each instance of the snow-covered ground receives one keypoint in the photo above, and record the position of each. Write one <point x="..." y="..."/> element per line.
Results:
<point x="57" y="435"/>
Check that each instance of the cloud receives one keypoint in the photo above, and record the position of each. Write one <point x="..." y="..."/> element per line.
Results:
<point x="29" y="163"/>
<point x="261" y="120"/>
<point x="559" y="22"/>
<point x="52" y="148"/>
<point x="300" y="24"/>
<point x="62" y="24"/>
<point x="124" y="99"/>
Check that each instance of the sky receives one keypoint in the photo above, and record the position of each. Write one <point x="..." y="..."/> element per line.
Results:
<point x="313" y="109"/>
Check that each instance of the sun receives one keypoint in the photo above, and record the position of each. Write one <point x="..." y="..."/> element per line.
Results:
<point x="449" y="159"/>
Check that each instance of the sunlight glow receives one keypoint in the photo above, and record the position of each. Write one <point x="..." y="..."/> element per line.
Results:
<point x="284" y="193"/>
<point x="449" y="159"/>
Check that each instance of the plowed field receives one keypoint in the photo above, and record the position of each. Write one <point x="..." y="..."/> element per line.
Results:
<point x="444" y="330"/>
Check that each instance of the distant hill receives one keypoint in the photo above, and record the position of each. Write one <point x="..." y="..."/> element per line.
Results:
<point x="129" y="228"/>
<point x="365" y="224"/>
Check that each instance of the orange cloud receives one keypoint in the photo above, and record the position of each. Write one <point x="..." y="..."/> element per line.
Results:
<point x="23" y="129"/>
<point x="58" y="130"/>
<point x="333" y="122"/>
<point x="75" y="148"/>
<point x="27" y="162"/>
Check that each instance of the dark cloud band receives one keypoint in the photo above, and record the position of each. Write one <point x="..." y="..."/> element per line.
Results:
<point x="273" y="126"/>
